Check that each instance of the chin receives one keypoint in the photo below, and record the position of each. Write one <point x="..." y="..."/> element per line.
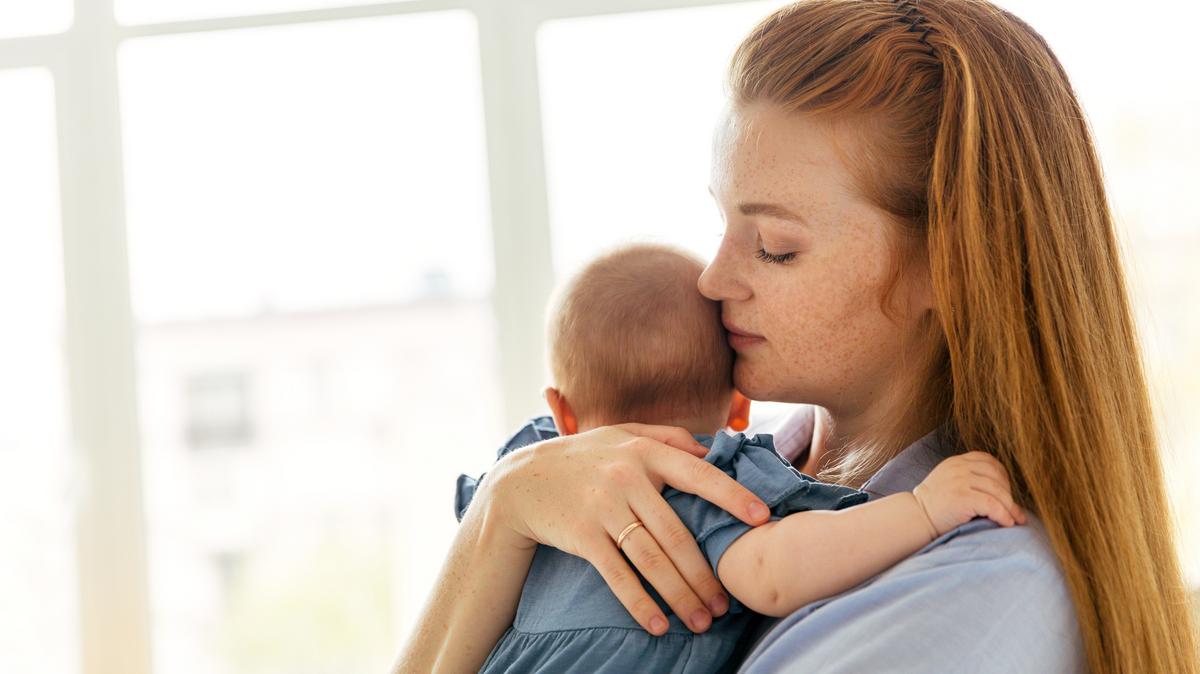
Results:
<point x="758" y="382"/>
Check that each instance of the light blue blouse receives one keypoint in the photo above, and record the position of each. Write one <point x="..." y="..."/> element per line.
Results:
<point x="980" y="598"/>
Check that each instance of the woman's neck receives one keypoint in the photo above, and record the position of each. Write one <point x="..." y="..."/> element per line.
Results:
<point x="831" y="435"/>
<point x="817" y="454"/>
<point x="904" y="412"/>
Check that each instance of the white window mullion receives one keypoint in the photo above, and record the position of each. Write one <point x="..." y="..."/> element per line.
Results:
<point x="563" y="9"/>
<point x="114" y="614"/>
<point x="520" y="214"/>
<point x="288" y="18"/>
<point x="23" y="52"/>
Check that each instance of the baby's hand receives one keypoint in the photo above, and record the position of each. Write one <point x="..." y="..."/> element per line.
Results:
<point x="964" y="486"/>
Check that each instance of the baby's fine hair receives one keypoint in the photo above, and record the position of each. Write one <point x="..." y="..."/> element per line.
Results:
<point x="631" y="339"/>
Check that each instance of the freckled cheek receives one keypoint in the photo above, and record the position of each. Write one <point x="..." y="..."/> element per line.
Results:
<point x="823" y="325"/>
<point x="819" y="350"/>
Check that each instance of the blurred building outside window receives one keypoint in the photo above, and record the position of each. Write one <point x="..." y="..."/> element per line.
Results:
<point x="218" y="410"/>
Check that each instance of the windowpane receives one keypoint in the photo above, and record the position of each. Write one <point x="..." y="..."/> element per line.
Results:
<point x="38" y="581"/>
<point x="157" y="11"/>
<point x="311" y="268"/>
<point x="22" y="18"/>
<point x="313" y="162"/>
<point x="628" y="131"/>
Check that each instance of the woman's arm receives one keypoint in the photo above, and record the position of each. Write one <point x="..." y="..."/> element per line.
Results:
<point x="576" y="493"/>
<point x="474" y="598"/>
<point x="784" y="565"/>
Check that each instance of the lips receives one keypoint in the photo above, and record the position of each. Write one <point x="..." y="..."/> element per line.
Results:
<point x="740" y="339"/>
<point x="735" y="330"/>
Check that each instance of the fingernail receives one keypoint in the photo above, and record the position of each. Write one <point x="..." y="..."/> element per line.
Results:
<point x="719" y="604"/>
<point x="758" y="511"/>
<point x="658" y="624"/>
<point x="700" y="620"/>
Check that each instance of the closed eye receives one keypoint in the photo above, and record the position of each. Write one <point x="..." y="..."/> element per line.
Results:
<point x="773" y="258"/>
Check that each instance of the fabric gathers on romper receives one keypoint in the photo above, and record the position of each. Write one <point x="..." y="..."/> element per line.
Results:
<point x="568" y="620"/>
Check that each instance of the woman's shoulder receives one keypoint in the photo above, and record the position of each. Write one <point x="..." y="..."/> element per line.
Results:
<point x="1007" y="582"/>
<point x="1026" y="546"/>
<point x="981" y="597"/>
<point x="1013" y="569"/>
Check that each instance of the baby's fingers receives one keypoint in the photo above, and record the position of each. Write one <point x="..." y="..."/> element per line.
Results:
<point x="991" y="507"/>
<point x="985" y="464"/>
<point x="999" y="490"/>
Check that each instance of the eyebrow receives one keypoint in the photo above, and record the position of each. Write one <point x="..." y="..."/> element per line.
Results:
<point x="770" y="210"/>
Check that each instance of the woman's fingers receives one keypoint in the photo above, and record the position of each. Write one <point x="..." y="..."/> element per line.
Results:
<point x="618" y="479"/>
<point x="625" y="584"/>
<point x="679" y="438"/>
<point x="697" y="476"/>
<point x="646" y="554"/>
<point x="680" y="546"/>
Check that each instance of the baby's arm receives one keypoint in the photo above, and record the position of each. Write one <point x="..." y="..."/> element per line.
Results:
<point x="777" y="567"/>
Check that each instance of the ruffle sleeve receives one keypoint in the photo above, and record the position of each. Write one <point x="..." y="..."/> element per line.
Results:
<point x="538" y="429"/>
<point x="754" y="463"/>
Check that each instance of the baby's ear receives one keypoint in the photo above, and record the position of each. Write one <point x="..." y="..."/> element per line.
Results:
<point x="739" y="412"/>
<point x="564" y="416"/>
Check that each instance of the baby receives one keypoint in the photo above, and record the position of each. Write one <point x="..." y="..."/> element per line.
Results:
<point x="630" y="338"/>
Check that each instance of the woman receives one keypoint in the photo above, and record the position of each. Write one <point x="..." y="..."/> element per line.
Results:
<point x="918" y="243"/>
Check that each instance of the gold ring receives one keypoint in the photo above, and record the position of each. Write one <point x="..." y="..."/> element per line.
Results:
<point x="631" y="527"/>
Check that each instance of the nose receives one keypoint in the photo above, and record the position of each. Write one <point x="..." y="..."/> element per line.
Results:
<point x="721" y="279"/>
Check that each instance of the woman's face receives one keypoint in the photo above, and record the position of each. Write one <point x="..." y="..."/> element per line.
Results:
<point x="802" y="266"/>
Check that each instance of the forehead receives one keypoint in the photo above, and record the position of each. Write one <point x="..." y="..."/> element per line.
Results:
<point x="763" y="152"/>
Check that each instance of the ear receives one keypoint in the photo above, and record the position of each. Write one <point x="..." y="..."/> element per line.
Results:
<point x="564" y="416"/>
<point x="739" y="412"/>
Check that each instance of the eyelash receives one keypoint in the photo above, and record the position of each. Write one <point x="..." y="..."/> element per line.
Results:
<point x="771" y="258"/>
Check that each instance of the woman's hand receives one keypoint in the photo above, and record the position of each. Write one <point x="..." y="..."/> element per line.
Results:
<point x="578" y="492"/>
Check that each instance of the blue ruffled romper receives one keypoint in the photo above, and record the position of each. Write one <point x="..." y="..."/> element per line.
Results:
<point x="568" y="619"/>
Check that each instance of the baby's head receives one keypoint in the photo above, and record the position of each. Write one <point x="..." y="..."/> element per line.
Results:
<point x="631" y="339"/>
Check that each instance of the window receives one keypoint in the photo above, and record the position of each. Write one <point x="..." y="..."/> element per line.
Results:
<point x="39" y="623"/>
<point x="628" y="131"/>
<point x="310" y="254"/>
<point x="22" y="18"/>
